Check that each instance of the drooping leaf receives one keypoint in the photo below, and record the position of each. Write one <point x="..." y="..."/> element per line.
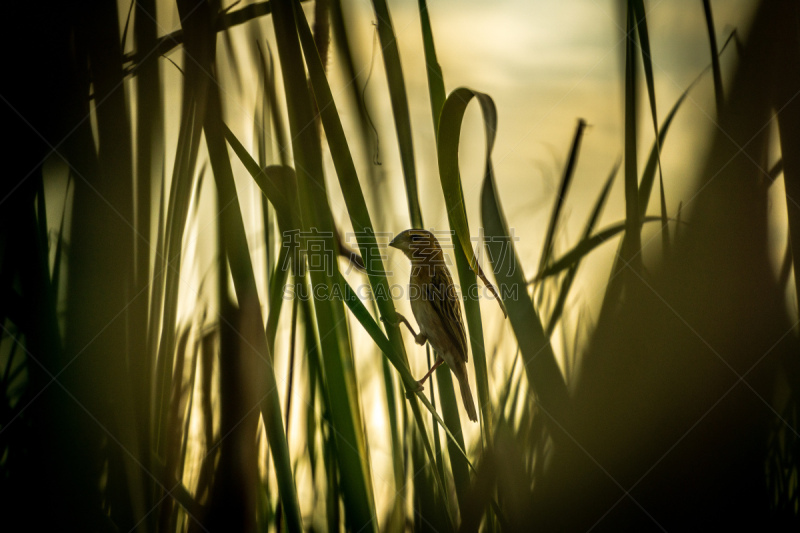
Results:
<point x="544" y="375"/>
<point x="447" y="143"/>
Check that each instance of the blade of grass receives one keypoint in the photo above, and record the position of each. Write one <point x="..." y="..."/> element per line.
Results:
<point x="644" y="42"/>
<point x="678" y="221"/>
<point x="628" y="260"/>
<point x="648" y="175"/>
<point x="41" y="223"/>
<point x="397" y="444"/>
<point x="56" y="278"/>
<point x="558" y="204"/>
<point x="342" y="43"/>
<point x="775" y="171"/>
<point x="505" y="395"/>
<point x="561" y="196"/>
<point x="665" y="242"/>
<point x="333" y="493"/>
<point x="207" y="356"/>
<point x="149" y="168"/>
<point x="164" y="303"/>
<point x="426" y="510"/>
<point x="277" y="287"/>
<point x="631" y="244"/>
<point x="262" y="138"/>
<point x="316" y="215"/>
<point x="290" y="378"/>
<point x="719" y="94"/>
<point x="459" y="466"/>
<point x="437" y="445"/>
<point x="190" y="390"/>
<point x="566" y="285"/>
<point x="168" y="511"/>
<point x="399" y="99"/>
<point x="435" y="78"/>
<point x="262" y="126"/>
<point x="268" y="66"/>
<point x="584" y="247"/>
<point x="544" y="375"/>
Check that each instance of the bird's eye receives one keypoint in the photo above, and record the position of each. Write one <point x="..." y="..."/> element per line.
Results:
<point x="415" y="238"/>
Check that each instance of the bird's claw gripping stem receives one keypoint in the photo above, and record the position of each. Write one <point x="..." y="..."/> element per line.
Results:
<point x="402" y="320"/>
<point x="410" y="393"/>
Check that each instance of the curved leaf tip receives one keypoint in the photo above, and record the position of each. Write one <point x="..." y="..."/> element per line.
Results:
<point x="448" y="141"/>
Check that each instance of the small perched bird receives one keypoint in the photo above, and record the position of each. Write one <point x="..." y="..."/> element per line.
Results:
<point x="435" y="305"/>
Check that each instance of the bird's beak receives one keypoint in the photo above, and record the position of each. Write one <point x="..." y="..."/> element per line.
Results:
<point x="394" y="242"/>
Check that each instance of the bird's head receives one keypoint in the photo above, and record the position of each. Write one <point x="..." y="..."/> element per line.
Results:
<point x="418" y="245"/>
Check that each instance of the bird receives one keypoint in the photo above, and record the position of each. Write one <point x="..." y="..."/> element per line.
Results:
<point x="436" y="308"/>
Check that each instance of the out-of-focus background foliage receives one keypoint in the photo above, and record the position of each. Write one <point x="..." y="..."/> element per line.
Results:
<point x="194" y="211"/>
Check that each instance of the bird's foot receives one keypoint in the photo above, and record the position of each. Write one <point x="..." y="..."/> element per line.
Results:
<point x="402" y="320"/>
<point x="436" y="365"/>
<point x="410" y="393"/>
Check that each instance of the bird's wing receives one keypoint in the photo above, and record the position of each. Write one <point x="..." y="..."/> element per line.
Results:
<point x="443" y="297"/>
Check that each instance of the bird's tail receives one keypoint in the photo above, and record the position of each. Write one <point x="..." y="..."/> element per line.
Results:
<point x="466" y="396"/>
